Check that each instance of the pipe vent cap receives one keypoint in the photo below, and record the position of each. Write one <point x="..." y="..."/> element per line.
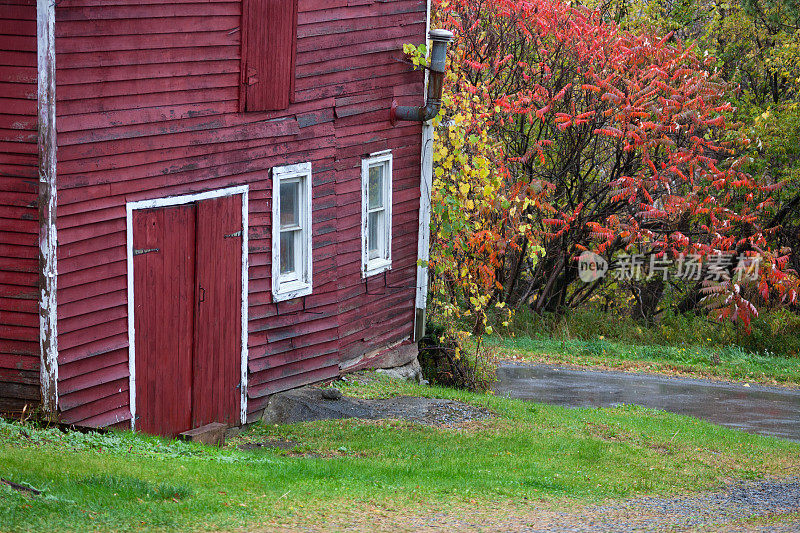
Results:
<point x="441" y="35"/>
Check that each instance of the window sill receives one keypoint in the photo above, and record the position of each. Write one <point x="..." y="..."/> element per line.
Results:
<point x="377" y="266"/>
<point x="290" y="290"/>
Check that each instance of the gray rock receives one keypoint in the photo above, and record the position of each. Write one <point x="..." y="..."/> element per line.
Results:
<point x="398" y="356"/>
<point x="307" y="404"/>
<point x="331" y="394"/>
<point x="409" y="372"/>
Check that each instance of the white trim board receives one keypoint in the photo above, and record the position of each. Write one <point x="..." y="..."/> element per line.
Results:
<point x="172" y="201"/>
<point x="423" y="239"/>
<point x="426" y="186"/>
<point x="47" y="200"/>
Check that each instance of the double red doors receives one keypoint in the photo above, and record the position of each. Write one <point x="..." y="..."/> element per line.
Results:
<point x="187" y="271"/>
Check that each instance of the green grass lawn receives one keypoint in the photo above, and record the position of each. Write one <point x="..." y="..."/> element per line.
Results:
<point x="351" y="470"/>
<point x="731" y="363"/>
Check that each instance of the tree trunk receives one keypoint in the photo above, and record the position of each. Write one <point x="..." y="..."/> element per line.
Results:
<point x="648" y="295"/>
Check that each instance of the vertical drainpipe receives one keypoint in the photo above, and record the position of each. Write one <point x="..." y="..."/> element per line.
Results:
<point x="46" y="91"/>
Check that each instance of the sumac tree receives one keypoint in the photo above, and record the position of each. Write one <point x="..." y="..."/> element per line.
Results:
<point x="563" y="133"/>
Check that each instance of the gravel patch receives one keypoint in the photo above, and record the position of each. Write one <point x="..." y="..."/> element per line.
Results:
<point x="780" y="525"/>
<point x="310" y="403"/>
<point x="738" y="501"/>
<point x="742" y="507"/>
<point x="428" y="411"/>
<point x="732" y="509"/>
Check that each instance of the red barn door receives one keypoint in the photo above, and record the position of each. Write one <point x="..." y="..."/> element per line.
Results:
<point x="163" y="285"/>
<point x="218" y="331"/>
<point x="187" y="322"/>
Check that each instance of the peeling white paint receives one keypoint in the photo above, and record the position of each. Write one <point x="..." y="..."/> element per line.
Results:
<point x="48" y="268"/>
<point x="423" y="242"/>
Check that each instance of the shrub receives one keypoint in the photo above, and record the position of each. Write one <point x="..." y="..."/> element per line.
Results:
<point x="445" y="362"/>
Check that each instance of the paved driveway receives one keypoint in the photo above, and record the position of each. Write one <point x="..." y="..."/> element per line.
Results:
<point x="756" y="409"/>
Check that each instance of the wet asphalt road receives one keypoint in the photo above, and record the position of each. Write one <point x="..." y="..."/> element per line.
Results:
<point x="756" y="409"/>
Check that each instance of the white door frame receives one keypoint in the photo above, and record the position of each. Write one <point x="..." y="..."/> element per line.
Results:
<point x="130" y="207"/>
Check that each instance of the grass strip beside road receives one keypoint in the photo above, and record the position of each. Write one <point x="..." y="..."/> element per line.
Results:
<point x="732" y="364"/>
<point x="333" y="473"/>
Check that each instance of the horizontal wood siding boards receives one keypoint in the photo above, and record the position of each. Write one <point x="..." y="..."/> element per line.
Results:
<point x="19" y="356"/>
<point x="154" y="3"/>
<point x="131" y="58"/>
<point x="19" y="226"/>
<point x="216" y="96"/>
<point x="86" y="366"/>
<point x="110" y="416"/>
<point x="148" y="99"/>
<point x="110" y="374"/>
<point x="327" y="370"/>
<point x="121" y="12"/>
<point x="259" y="133"/>
<point x="379" y="310"/>
<point x="80" y="406"/>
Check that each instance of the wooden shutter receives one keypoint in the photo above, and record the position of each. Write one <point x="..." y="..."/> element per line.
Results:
<point x="269" y="36"/>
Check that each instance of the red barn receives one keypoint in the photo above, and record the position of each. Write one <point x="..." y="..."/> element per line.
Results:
<point x="205" y="202"/>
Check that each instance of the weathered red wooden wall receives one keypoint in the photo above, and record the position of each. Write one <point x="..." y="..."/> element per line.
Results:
<point x="147" y="107"/>
<point x="19" y="315"/>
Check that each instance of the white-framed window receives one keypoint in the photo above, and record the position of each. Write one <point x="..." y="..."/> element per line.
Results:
<point x="291" y="231"/>
<point x="376" y="213"/>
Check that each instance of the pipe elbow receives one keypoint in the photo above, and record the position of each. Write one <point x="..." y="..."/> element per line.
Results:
<point x="415" y="113"/>
<point x="431" y="109"/>
<point x="433" y="101"/>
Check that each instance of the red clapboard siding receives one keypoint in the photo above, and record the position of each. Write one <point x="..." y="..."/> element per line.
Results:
<point x="19" y="227"/>
<point x="148" y="105"/>
<point x="375" y="311"/>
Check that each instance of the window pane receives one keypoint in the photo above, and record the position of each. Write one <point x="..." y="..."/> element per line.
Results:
<point x="374" y="235"/>
<point x="290" y="204"/>
<point x="376" y="186"/>
<point x="287" y="252"/>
